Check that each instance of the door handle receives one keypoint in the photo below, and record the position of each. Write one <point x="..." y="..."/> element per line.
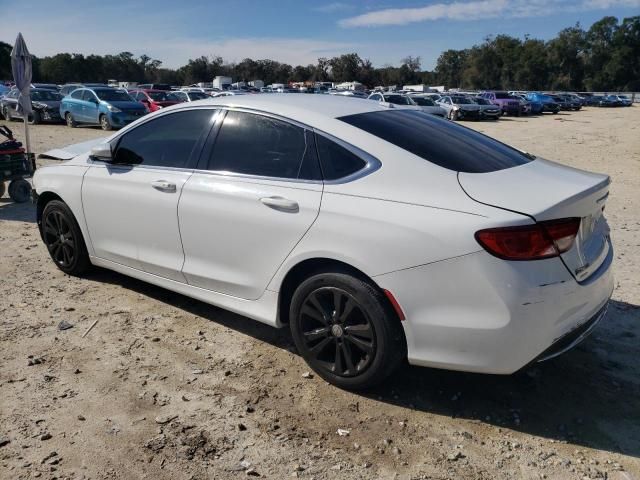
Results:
<point x="281" y="203"/>
<point x="164" y="186"/>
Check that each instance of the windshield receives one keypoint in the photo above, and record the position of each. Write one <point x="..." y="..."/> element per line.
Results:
<point x="462" y="100"/>
<point x="423" y="102"/>
<point x="197" y="95"/>
<point x="482" y="101"/>
<point x="445" y="144"/>
<point x="398" y="100"/>
<point x="502" y="95"/>
<point x="113" y="95"/>
<point x="163" y="96"/>
<point x="44" y="95"/>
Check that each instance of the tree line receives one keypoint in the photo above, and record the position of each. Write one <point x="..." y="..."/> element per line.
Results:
<point x="604" y="57"/>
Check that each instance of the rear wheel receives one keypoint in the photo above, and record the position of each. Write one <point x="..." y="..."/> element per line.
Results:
<point x="63" y="238"/>
<point x="20" y="190"/>
<point x="345" y="330"/>
<point x="6" y="113"/>
<point x="2" y="189"/>
<point x="70" y="120"/>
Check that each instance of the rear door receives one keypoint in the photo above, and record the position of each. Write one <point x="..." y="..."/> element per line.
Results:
<point x="131" y="205"/>
<point x="253" y="198"/>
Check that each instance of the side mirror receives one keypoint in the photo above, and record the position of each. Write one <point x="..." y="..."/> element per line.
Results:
<point x="102" y="152"/>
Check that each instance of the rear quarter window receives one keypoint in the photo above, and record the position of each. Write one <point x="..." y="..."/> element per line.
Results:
<point x="438" y="141"/>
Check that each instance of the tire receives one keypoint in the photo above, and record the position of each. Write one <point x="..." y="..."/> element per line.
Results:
<point x="35" y="118"/>
<point x="355" y="345"/>
<point x="2" y="189"/>
<point x="104" y="123"/>
<point x="71" y="122"/>
<point x="63" y="239"/>
<point x="20" y="190"/>
<point x="555" y="112"/>
<point x="6" y="113"/>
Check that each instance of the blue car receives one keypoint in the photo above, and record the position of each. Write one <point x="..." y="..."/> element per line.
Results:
<point x="548" y="104"/>
<point x="108" y="107"/>
<point x="535" y="105"/>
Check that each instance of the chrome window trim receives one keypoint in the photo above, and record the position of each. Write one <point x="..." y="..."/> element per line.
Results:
<point x="372" y="164"/>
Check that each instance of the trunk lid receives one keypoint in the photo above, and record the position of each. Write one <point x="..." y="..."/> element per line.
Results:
<point x="546" y="190"/>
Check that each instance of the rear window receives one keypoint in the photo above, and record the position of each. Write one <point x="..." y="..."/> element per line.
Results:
<point x="444" y="143"/>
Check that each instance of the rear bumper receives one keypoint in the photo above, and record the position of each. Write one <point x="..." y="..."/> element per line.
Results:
<point x="481" y="314"/>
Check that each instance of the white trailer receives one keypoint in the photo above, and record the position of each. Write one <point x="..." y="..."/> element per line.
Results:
<point x="222" y="83"/>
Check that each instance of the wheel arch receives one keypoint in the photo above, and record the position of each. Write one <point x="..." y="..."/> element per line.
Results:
<point x="312" y="266"/>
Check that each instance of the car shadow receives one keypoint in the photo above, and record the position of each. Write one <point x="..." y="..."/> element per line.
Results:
<point x="17" y="212"/>
<point x="587" y="397"/>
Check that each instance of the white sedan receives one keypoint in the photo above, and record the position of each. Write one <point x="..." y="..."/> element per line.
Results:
<point x="376" y="233"/>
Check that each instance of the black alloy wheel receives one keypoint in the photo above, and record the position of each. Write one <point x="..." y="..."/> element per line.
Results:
<point x="345" y="329"/>
<point x="59" y="239"/>
<point x="63" y="239"/>
<point x="337" y="332"/>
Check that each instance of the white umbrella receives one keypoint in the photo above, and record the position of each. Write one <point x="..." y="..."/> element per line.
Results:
<point x="21" y="68"/>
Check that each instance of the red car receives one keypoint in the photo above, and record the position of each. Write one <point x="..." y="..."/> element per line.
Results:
<point x="154" y="99"/>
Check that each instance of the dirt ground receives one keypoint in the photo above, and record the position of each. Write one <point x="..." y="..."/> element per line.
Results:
<point x="168" y="387"/>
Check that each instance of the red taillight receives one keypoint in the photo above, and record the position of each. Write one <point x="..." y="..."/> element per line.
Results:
<point x="530" y="242"/>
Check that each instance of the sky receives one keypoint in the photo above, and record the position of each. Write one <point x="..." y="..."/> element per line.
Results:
<point x="290" y="31"/>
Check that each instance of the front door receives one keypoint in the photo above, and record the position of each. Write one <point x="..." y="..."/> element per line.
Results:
<point x="254" y="199"/>
<point x="131" y="204"/>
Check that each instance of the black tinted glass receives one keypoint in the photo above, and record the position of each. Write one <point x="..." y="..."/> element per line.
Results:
<point x="167" y="141"/>
<point x="444" y="143"/>
<point x="258" y="145"/>
<point x="423" y="101"/>
<point x="336" y="161"/>
<point x="77" y="94"/>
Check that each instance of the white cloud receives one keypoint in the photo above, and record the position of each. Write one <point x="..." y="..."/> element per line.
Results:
<point x="478" y="10"/>
<point x="333" y="7"/>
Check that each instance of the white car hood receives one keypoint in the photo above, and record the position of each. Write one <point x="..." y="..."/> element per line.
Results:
<point x="71" y="151"/>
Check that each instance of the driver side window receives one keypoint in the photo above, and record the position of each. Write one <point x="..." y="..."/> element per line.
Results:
<point x="88" y="96"/>
<point x="166" y="141"/>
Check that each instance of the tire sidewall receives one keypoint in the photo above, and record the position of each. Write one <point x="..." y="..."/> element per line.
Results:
<point x="370" y="301"/>
<point x="81" y="259"/>
<point x="69" y="120"/>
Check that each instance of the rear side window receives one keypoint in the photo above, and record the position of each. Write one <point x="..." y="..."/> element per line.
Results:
<point x="444" y="143"/>
<point x="77" y="94"/>
<point x="167" y="141"/>
<point x="336" y="161"/>
<point x="253" y="144"/>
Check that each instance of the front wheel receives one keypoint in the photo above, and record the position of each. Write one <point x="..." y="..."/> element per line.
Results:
<point x="63" y="238"/>
<point x="34" y="118"/>
<point x="345" y="330"/>
<point x="71" y="122"/>
<point x="105" y="124"/>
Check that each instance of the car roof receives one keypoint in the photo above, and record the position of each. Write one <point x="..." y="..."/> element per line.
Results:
<point x="302" y="108"/>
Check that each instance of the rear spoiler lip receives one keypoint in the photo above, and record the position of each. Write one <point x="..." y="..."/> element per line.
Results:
<point x="72" y="151"/>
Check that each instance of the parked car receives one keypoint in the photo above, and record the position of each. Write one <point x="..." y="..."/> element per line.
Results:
<point x="154" y="86"/>
<point x="535" y="106"/>
<point x="485" y="258"/>
<point x="154" y="99"/>
<point x="620" y="100"/>
<point x="46" y="86"/>
<point x="460" y="107"/>
<point x="67" y="88"/>
<point x="183" y="96"/>
<point x="548" y="104"/>
<point x="506" y="102"/>
<point x="44" y="103"/>
<point x="392" y="98"/>
<point x="108" y="107"/>
<point x="428" y="105"/>
<point x="4" y="90"/>
<point x="487" y="109"/>
<point x="563" y="103"/>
